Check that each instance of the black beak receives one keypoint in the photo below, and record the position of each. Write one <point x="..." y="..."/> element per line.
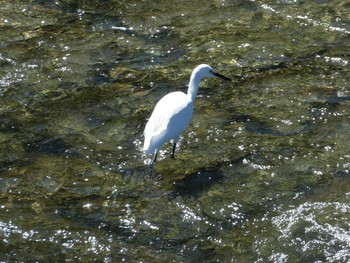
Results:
<point x="221" y="76"/>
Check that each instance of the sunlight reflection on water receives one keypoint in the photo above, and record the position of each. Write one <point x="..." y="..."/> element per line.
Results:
<point x="261" y="174"/>
<point x="316" y="226"/>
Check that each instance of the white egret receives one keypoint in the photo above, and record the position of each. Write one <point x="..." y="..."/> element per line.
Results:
<point x="173" y="113"/>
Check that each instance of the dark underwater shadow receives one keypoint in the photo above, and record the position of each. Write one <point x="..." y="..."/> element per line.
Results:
<point x="196" y="183"/>
<point x="50" y="146"/>
<point x="192" y="184"/>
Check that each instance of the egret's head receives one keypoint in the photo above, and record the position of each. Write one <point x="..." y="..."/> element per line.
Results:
<point x="203" y="70"/>
<point x="199" y="73"/>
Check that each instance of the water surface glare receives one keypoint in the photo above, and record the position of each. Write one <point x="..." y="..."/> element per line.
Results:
<point x="261" y="174"/>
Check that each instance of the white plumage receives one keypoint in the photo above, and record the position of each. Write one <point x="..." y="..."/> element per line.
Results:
<point x="173" y="113"/>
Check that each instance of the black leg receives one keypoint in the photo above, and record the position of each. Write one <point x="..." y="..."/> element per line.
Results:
<point x="155" y="158"/>
<point x="172" y="156"/>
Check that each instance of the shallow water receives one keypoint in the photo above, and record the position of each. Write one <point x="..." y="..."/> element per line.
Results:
<point x="260" y="175"/>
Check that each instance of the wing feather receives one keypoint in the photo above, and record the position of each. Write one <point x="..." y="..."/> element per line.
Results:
<point x="169" y="118"/>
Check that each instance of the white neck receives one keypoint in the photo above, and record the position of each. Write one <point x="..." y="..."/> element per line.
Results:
<point x="193" y="86"/>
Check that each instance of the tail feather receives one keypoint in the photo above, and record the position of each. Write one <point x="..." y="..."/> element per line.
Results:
<point x="153" y="141"/>
<point x="147" y="146"/>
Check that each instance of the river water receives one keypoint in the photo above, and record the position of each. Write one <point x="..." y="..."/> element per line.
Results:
<point x="262" y="174"/>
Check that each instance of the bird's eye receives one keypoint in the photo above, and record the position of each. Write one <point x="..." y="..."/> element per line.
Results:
<point x="211" y="72"/>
